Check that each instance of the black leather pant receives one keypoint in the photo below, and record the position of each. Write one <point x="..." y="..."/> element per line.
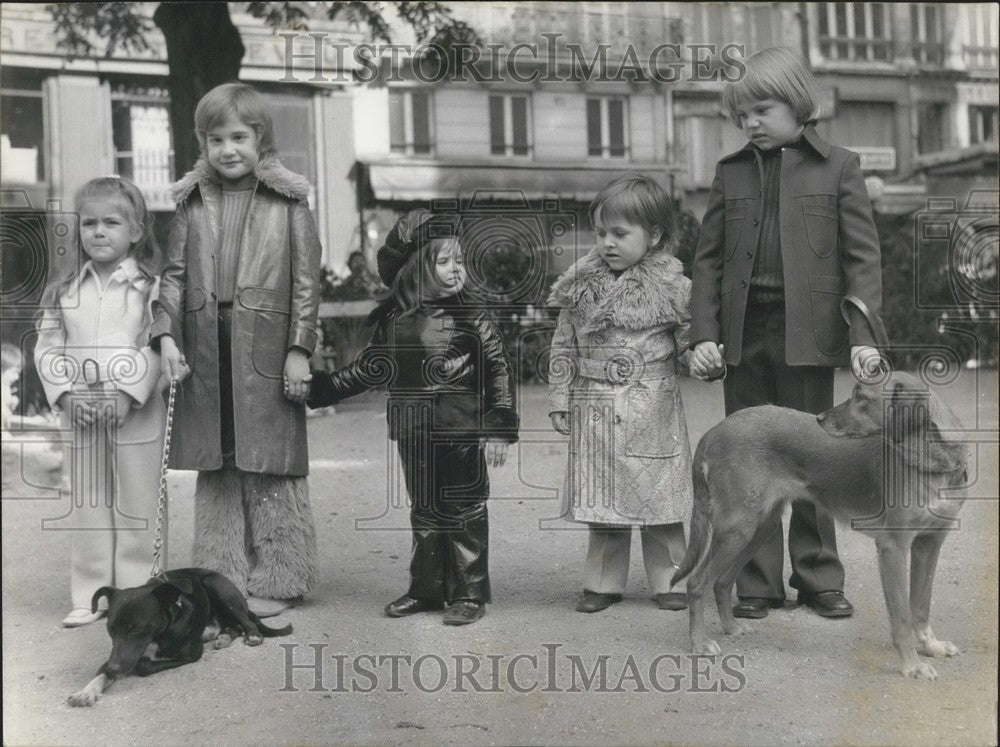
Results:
<point x="448" y="485"/>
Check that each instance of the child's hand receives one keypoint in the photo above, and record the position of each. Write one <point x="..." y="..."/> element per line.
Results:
<point x="707" y="361"/>
<point x="496" y="452"/>
<point x="865" y="362"/>
<point x="123" y="405"/>
<point x="297" y="376"/>
<point x="82" y="413"/>
<point x="172" y="360"/>
<point x="560" y="421"/>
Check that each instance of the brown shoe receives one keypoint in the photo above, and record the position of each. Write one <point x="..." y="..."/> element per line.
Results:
<point x="671" y="600"/>
<point x="592" y="601"/>
<point x="407" y="605"/>
<point x="463" y="612"/>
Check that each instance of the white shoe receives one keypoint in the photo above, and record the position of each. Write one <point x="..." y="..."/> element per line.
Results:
<point x="82" y="616"/>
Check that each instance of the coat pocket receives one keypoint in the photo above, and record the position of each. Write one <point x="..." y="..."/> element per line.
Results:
<point x="270" y="328"/>
<point x="194" y="302"/>
<point x="651" y="428"/>
<point x="819" y="214"/>
<point x="829" y="327"/>
<point x="736" y="213"/>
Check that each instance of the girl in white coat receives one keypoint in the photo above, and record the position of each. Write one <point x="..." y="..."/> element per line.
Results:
<point x="96" y="367"/>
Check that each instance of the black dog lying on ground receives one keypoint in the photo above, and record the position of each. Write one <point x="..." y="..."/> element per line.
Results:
<point x="165" y="624"/>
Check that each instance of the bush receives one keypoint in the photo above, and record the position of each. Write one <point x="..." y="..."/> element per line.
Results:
<point x="967" y="329"/>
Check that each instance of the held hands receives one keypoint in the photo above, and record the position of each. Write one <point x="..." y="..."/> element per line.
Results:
<point x="297" y="376"/>
<point x="866" y="362"/>
<point x="172" y="360"/>
<point x="707" y="360"/>
<point x="560" y="421"/>
<point x="84" y="411"/>
<point x="496" y="451"/>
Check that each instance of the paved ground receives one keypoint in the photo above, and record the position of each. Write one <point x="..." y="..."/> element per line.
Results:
<point x="530" y="671"/>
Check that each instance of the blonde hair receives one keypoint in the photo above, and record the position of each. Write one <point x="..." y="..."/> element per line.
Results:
<point x="777" y="73"/>
<point x="242" y="102"/>
<point x="636" y="199"/>
<point x="133" y="205"/>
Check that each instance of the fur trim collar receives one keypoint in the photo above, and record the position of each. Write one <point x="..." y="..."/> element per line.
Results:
<point x="268" y="170"/>
<point x="650" y="293"/>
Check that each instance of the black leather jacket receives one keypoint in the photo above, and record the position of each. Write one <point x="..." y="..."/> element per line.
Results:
<point x="446" y="368"/>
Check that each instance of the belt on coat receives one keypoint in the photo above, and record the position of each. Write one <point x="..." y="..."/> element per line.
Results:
<point x="622" y="370"/>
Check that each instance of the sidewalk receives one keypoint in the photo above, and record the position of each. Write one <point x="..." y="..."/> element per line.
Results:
<point x="532" y="671"/>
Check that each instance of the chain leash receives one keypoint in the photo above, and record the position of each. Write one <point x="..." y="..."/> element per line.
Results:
<point x="161" y="505"/>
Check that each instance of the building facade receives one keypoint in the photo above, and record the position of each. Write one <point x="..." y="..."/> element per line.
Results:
<point x="562" y="97"/>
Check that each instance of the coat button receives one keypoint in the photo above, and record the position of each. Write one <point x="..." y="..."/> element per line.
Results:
<point x="618" y="419"/>
<point x="743" y="284"/>
<point x="597" y="416"/>
<point x="749" y="255"/>
<point x="756" y="221"/>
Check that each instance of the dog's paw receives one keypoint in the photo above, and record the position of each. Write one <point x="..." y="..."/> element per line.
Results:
<point x="222" y="641"/>
<point x="920" y="670"/>
<point x="705" y="647"/>
<point x="937" y="649"/>
<point x="253" y="640"/>
<point x="83" y="699"/>
<point x="737" y="628"/>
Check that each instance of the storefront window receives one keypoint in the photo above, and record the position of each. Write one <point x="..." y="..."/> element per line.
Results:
<point x="140" y="120"/>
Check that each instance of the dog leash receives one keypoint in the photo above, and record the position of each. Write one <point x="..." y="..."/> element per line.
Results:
<point x="875" y="324"/>
<point x="161" y="504"/>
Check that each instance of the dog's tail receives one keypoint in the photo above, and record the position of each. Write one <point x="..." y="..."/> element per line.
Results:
<point x="701" y="522"/>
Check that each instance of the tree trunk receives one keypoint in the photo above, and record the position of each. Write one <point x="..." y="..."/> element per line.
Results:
<point x="204" y="49"/>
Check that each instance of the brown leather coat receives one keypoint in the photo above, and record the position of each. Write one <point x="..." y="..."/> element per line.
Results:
<point x="829" y="248"/>
<point x="446" y="369"/>
<point x="274" y="309"/>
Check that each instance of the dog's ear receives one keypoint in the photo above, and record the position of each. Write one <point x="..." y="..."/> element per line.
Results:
<point x="923" y="428"/>
<point x="946" y="452"/>
<point x="184" y="584"/>
<point x="104" y="591"/>
<point x="167" y="593"/>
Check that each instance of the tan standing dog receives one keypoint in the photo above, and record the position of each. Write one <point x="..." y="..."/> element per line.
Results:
<point x="882" y="460"/>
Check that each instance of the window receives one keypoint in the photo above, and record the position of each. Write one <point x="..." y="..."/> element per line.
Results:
<point x="22" y="160"/>
<point x="983" y="124"/>
<point x="607" y="128"/>
<point x="410" y="122"/>
<point x="509" y="126"/>
<point x="140" y="123"/>
<point x="294" y="132"/>
<point x="854" y="31"/>
<point x="930" y="137"/>
<point x="925" y="23"/>
<point x="981" y="36"/>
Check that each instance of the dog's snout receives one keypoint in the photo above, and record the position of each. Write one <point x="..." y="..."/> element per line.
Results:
<point x="821" y="417"/>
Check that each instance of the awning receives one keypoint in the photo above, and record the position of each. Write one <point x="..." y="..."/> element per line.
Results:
<point x="410" y="181"/>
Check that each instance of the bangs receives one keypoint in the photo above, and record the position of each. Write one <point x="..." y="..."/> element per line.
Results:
<point x="235" y="101"/>
<point x="635" y="199"/>
<point x="780" y="74"/>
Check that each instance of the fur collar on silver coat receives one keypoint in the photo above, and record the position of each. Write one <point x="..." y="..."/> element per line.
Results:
<point x="650" y="293"/>
<point x="268" y="170"/>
